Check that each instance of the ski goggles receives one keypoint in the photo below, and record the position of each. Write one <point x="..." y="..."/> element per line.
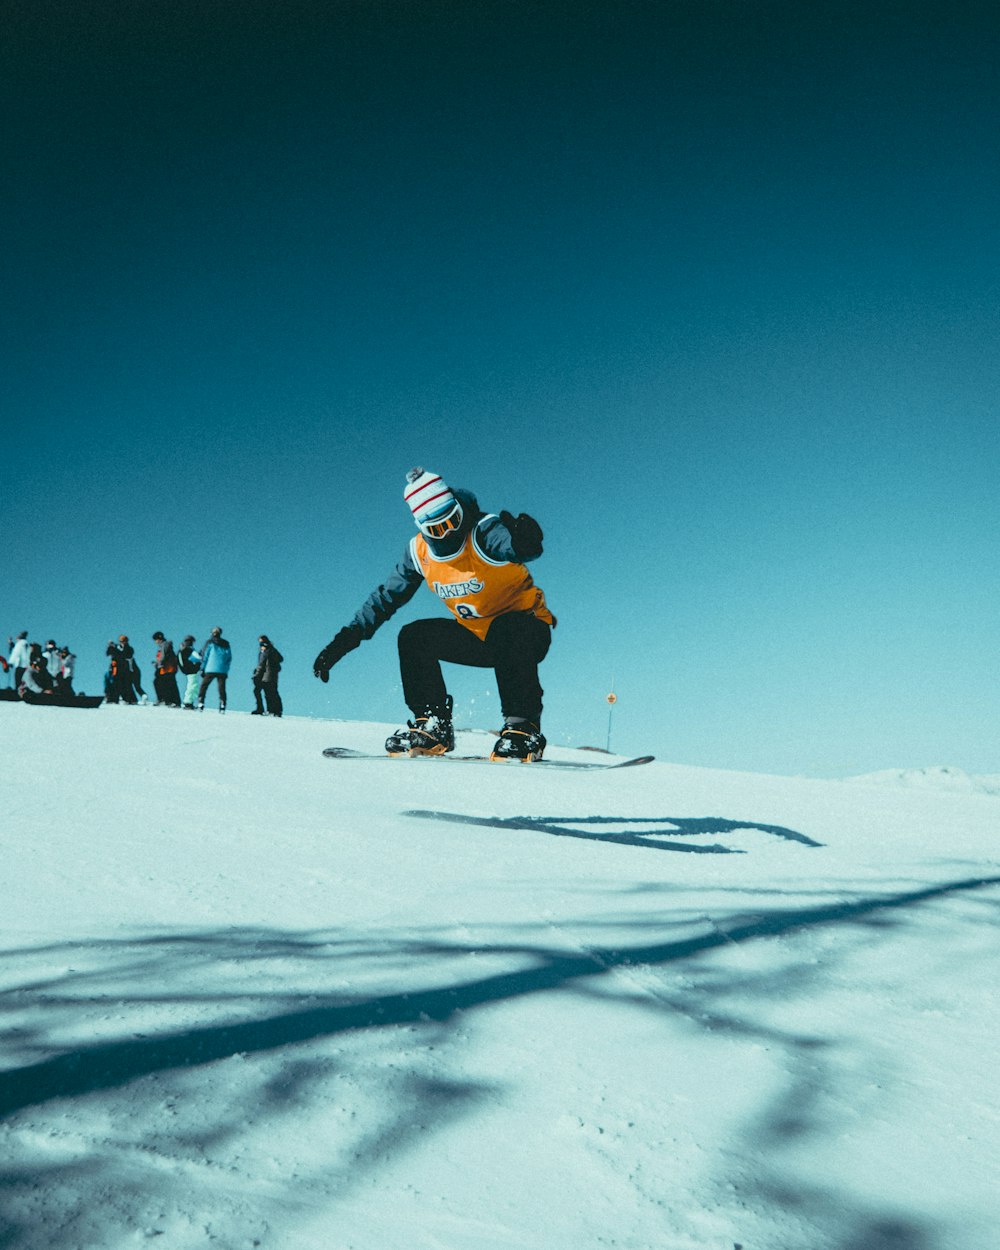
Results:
<point x="447" y="523"/>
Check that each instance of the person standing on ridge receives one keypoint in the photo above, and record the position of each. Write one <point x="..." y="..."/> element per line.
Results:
<point x="20" y="656"/>
<point x="134" y="675"/>
<point x="122" y="671"/>
<point x="51" y="653"/>
<point x="190" y="665"/>
<point x="265" y="679"/>
<point x="165" y="672"/>
<point x="475" y="563"/>
<point x="217" y="657"/>
<point x="64" y="677"/>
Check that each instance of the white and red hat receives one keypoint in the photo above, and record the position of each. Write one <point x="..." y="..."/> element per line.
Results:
<point x="435" y="508"/>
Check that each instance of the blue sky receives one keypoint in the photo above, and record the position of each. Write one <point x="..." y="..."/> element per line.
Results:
<point x="708" y="288"/>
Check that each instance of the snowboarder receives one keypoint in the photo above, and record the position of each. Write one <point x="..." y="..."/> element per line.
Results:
<point x="190" y="665"/>
<point x="165" y="672"/>
<point x="217" y="658"/>
<point x="475" y="563"/>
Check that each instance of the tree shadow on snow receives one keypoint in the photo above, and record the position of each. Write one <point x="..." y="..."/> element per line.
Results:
<point x="243" y="976"/>
<point x="684" y="826"/>
<point x="106" y="1065"/>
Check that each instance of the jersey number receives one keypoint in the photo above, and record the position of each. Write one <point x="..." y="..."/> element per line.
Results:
<point x="465" y="611"/>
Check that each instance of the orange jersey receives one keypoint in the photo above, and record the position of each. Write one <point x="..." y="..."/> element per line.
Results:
<point x="476" y="588"/>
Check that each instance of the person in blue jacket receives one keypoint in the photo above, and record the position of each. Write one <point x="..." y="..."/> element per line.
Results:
<point x="217" y="656"/>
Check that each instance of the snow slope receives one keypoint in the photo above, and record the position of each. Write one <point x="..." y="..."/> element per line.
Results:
<point x="254" y="997"/>
<point x="940" y="778"/>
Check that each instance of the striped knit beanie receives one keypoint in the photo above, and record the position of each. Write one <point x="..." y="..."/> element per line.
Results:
<point x="427" y="496"/>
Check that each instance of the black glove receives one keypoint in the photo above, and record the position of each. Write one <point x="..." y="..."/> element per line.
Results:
<point x="348" y="638"/>
<point x="525" y="535"/>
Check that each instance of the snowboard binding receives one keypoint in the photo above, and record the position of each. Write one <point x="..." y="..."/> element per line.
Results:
<point x="519" y="740"/>
<point x="430" y="734"/>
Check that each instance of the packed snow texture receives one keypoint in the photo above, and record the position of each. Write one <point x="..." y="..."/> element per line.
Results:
<point x="956" y="779"/>
<point x="256" y="997"/>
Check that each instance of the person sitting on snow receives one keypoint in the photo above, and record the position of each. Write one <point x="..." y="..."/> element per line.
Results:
<point x="37" y="684"/>
<point x="475" y="563"/>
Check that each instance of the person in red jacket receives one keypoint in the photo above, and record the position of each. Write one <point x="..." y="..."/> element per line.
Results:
<point x="474" y="562"/>
<point x="165" y="672"/>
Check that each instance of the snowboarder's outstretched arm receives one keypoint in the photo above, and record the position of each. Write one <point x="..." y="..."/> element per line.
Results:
<point x="397" y="590"/>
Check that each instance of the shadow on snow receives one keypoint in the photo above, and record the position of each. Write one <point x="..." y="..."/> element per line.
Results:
<point x="685" y="826"/>
<point x="412" y="1094"/>
<point x="106" y="1065"/>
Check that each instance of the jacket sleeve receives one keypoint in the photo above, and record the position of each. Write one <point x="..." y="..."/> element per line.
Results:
<point x="495" y="540"/>
<point x="398" y="589"/>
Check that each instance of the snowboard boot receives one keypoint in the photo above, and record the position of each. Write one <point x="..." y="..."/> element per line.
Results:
<point x="519" y="740"/>
<point x="430" y="734"/>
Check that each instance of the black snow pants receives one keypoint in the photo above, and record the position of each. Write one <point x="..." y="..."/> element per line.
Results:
<point x="514" y="647"/>
<point x="269" y="689"/>
<point x="206" y="681"/>
<point x="165" y="685"/>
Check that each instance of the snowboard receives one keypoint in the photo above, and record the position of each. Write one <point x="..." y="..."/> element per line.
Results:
<point x="40" y="700"/>
<point x="346" y="753"/>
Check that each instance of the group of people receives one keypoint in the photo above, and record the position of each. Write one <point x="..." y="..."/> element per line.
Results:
<point x="199" y="669"/>
<point x="45" y="674"/>
<point x="39" y="672"/>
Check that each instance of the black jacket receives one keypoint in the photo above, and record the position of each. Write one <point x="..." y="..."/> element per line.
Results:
<point x="268" y="664"/>
<point x="187" y="664"/>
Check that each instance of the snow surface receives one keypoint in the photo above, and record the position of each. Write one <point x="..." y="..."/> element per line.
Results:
<point x="939" y="778"/>
<point x="255" y="997"/>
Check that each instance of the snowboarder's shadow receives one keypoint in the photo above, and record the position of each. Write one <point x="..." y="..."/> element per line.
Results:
<point x="653" y="836"/>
